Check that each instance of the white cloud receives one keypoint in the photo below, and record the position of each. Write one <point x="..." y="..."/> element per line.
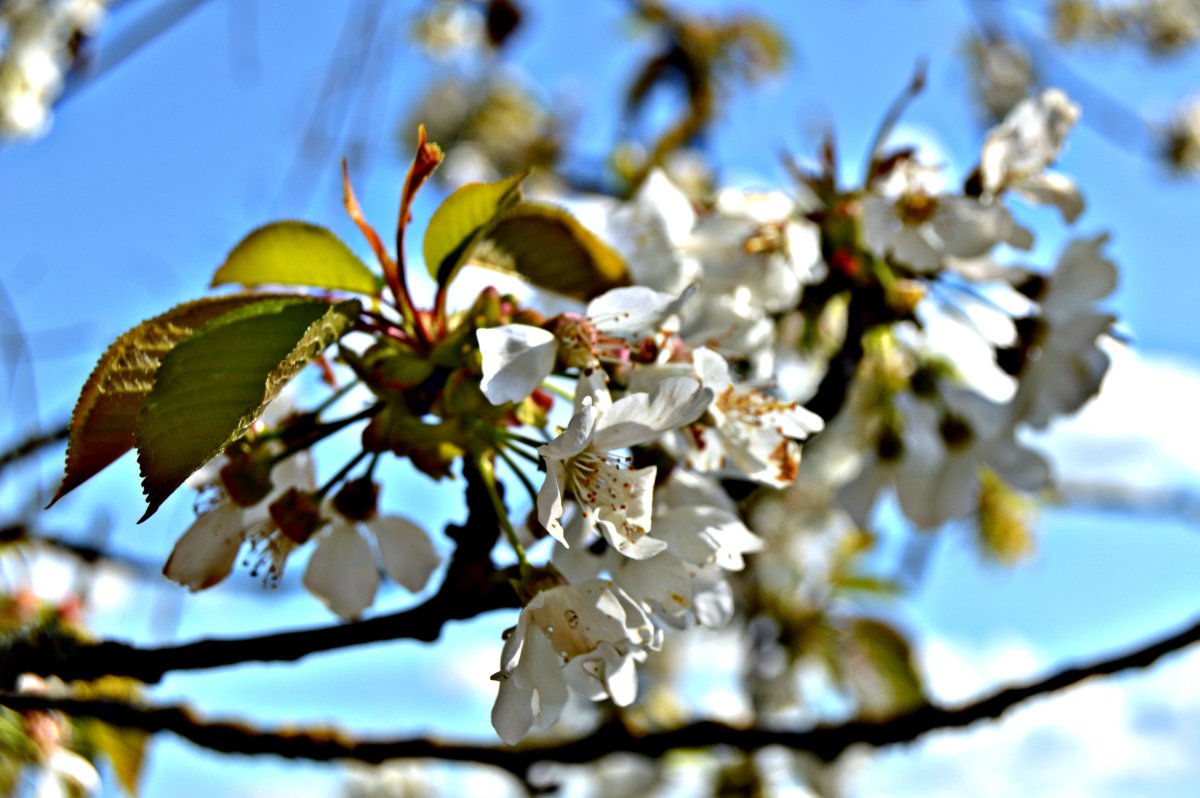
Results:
<point x="1134" y="734"/>
<point x="1141" y="431"/>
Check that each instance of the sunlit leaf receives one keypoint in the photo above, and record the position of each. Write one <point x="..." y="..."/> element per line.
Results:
<point x="213" y="386"/>
<point x="880" y="668"/>
<point x="125" y="749"/>
<point x="462" y="221"/>
<point x="551" y="249"/>
<point x="101" y="428"/>
<point x="296" y="253"/>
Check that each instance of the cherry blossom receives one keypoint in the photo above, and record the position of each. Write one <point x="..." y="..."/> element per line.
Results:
<point x="925" y="230"/>
<point x="517" y="357"/>
<point x="1060" y="365"/>
<point x="1019" y="149"/>
<point x="588" y="636"/>
<point x="752" y="433"/>
<point x="935" y="464"/>
<point x="206" y="552"/>
<point x="613" y="498"/>
<point x="344" y="571"/>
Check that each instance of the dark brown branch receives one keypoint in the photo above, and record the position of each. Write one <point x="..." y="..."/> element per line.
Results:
<point x="831" y="394"/>
<point x="825" y="742"/>
<point x="91" y="661"/>
<point x="472" y="586"/>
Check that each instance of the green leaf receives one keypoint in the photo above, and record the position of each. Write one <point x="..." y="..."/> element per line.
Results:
<point x="880" y="669"/>
<point x="213" y="386"/>
<point x="296" y="253"/>
<point x="462" y="221"/>
<point x="101" y="428"/>
<point x="550" y="248"/>
<point x="125" y="749"/>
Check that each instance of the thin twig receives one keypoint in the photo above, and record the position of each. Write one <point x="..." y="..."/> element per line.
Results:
<point x="32" y="445"/>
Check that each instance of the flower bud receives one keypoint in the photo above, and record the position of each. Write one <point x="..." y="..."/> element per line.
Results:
<point x="296" y="515"/>
<point x="358" y="499"/>
<point x="246" y="478"/>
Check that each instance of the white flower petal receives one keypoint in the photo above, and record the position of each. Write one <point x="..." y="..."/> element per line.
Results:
<point x="591" y="388"/>
<point x="575" y="438"/>
<point x="542" y="669"/>
<point x="516" y="358"/>
<point x="409" y="557"/>
<point x="712" y="369"/>
<point x="1083" y="276"/>
<point x="664" y="583"/>
<point x="71" y="767"/>
<point x="549" y="500"/>
<point x="632" y="310"/>
<point x="620" y="675"/>
<point x="619" y="508"/>
<point x="533" y="690"/>
<point x="712" y="598"/>
<point x="577" y="617"/>
<point x="911" y="247"/>
<point x="707" y="535"/>
<point x="659" y="195"/>
<point x="1028" y="140"/>
<point x="879" y="223"/>
<point x="971" y="229"/>
<point x="1052" y="188"/>
<point x="635" y="545"/>
<point x="574" y="559"/>
<point x="686" y="488"/>
<point x="604" y="673"/>
<point x="640" y="418"/>
<point x="205" y="554"/>
<point x="858" y="496"/>
<point x="342" y="571"/>
<point x="512" y="714"/>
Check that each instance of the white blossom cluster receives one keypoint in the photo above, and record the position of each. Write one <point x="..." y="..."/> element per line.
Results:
<point x="36" y="41"/>
<point x="343" y="571"/>
<point x="677" y="396"/>
<point x="685" y="360"/>
<point x="663" y="544"/>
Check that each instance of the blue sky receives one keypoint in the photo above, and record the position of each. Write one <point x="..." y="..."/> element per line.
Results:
<point x="155" y="170"/>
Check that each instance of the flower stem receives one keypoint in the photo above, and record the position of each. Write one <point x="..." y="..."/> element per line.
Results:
<point x="512" y="464"/>
<point x="323" y="491"/>
<point x="300" y="439"/>
<point x="334" y="397"/>
<point x="914" y="87"/>
<point x="519" y="438"/>
<point x="531" y="457"/>
<point x="557" y="391"/>
<point x="488" y="472"/>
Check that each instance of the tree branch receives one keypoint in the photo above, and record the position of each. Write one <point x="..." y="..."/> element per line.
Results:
<point x="824" y="742"/>
<point x="32" y="445"/>
<point x="472" y="586"/>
